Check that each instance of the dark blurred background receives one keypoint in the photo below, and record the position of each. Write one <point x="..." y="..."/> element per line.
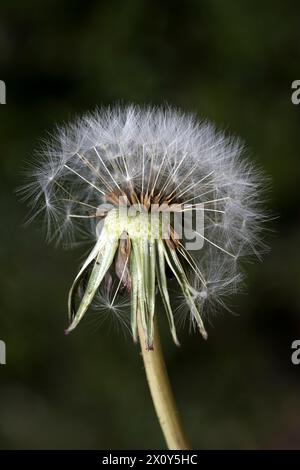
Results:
<point x="232" y="62"/>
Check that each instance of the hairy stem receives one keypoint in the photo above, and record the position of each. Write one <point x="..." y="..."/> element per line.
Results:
<point x="161" y="391"/>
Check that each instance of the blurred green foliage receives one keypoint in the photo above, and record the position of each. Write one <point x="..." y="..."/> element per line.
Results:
<point x="232" y="62"/>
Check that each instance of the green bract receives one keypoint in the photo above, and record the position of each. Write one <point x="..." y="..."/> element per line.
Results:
<point x="141" y="243"/>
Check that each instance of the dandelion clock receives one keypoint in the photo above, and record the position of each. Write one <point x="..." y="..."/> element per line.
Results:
<point x="164" y="201"/>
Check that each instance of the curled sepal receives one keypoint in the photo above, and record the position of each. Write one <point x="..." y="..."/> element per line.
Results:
<point x="149" y="255"/>
<point x="134" y="298"/>
<point x="142" y="307"/>
<point x="185" y="287"/>
<point x="102" y="263"/>
<point x="91" y="257"/>
<point x="163" y="288"/>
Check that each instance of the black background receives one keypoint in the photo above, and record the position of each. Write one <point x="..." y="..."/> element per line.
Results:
<point x="232" y="62"/>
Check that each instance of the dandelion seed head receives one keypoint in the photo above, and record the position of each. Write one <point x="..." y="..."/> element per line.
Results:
<point x="146" y="157"/>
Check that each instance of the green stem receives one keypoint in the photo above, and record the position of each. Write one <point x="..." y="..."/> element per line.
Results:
<point x="161" y="391"/>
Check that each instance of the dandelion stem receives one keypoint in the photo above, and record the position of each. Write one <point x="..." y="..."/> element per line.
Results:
<point x="161" y="391"/>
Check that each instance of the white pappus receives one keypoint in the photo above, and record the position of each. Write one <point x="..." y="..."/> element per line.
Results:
<point x="157" y="161"/>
